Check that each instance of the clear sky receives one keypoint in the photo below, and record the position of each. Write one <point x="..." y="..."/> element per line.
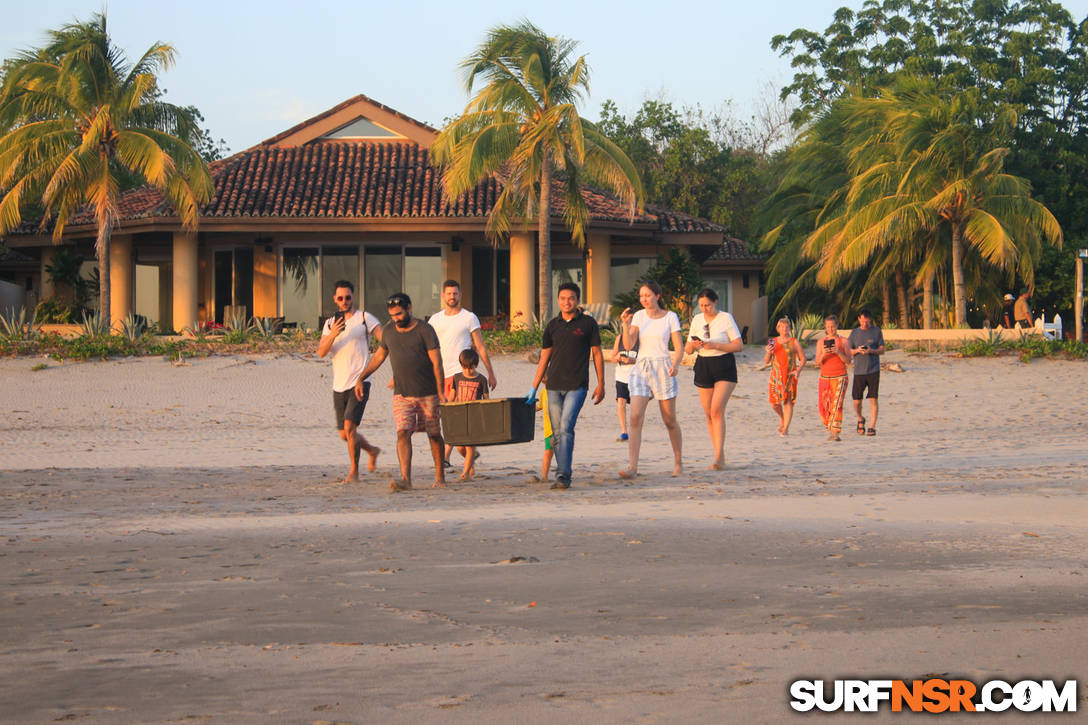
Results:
<point x="257" y="68"/>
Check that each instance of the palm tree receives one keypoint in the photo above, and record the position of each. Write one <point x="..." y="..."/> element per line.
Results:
<point x="523" y="126"/>
<point x="921" y="174"/>
<point x="78" y="123"/>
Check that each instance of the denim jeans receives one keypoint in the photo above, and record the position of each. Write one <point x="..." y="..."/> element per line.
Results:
<point x="563" y="409"/>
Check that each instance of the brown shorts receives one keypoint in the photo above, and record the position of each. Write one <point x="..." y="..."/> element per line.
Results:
<point x="416" y="415"/>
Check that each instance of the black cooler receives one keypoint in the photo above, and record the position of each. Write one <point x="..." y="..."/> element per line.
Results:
<point x="493" y="422"/>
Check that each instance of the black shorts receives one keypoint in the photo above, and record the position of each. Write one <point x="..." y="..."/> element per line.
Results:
<point x="867" y="380"/>
<point x="710" y="370"/>
<point x="622" y="392"/>
<point x="347" y="407"/>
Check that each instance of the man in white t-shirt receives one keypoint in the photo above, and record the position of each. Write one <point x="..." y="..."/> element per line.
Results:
<point x="347" y="336"/>
<point x="457" y="330"/>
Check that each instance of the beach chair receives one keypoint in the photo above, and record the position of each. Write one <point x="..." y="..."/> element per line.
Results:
<point x="598" y="311"/>
<point x="1050" y="330"/>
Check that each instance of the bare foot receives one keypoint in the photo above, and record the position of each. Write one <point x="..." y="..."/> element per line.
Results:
<point x="439" y="483"/>
<point x="717" y="466"/>
<point x="628" y="473"/>
<point x="350" y="478"/>
<point x="398" y="485"/>
<point x="373" y="453"/>
<point x="783" y="433"/>
<point x="677" y="471"/>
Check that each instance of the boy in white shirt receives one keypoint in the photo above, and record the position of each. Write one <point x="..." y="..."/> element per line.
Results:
<point x="457" y="330"/>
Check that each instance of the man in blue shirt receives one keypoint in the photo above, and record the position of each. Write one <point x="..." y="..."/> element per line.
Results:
<point x="867" y="345"/>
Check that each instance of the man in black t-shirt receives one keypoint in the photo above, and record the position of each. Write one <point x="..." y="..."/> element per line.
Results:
<point x="412" y="347"/>
<point x="569" y="340"/>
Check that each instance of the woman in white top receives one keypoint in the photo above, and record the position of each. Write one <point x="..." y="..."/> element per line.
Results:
<point x="651" y="329"/>
<point x="714" y="335"/>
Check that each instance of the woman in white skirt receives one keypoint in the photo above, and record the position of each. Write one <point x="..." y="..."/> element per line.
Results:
<point x="651" y="329"/>
<point x="714" y="335"/>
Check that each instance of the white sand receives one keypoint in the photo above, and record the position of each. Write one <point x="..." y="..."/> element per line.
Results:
<point x="172" y="546"/>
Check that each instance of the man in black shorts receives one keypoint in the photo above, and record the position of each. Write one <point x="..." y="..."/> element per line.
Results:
<point x="347" y="336"/>
<point x="866" y="345"/>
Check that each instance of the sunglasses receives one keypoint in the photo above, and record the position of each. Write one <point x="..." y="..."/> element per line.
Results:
<point x="706" y="330"/>
<point x="345" y="298"/>
<point x="397" y="301"/>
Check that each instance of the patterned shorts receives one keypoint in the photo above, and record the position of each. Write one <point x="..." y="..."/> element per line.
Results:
<point x="416" y="415"/>
<point x="650" y="379"/>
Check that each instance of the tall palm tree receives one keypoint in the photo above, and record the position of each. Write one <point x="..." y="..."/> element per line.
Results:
<point x="922" y="173"/>
<point x="523" y="125"/>
<point x="78" y="121"/>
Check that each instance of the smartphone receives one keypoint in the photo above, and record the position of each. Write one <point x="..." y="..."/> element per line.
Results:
<point x="338" y="315"/>
<point x="696" y="338"/>
<point x="829" y="343"/>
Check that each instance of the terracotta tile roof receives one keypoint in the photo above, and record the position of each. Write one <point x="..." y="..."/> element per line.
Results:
<point x="360" y="180"/>
<point x="733" y="250"/>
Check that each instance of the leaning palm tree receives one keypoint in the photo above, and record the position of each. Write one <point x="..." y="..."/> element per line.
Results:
<point x="925" y="174"/>
<point x="523" y="126"/>
<point x="78" y="122"/>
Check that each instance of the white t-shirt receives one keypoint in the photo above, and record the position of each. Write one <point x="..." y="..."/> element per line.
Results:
<point x="351" y="348"/>
<point x="454" y="335"/>
<point x="723" y="329"/>
<point x="623" y="372"/>
<point x="653" y="335"/>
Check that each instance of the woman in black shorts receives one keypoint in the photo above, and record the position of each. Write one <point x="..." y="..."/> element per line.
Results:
<point x="714" y="335"/>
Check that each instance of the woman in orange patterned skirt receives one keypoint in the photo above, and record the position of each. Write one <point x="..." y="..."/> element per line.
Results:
<point x="787" y="358"/>
<point x="832" y="355"/>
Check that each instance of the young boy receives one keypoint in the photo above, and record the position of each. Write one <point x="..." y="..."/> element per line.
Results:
<point x="625" y="360"/>
<point x="467" y="385"/>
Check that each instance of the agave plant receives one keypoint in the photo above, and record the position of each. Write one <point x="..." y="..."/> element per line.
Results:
<point x="14" y="326"/>
<point x="94" y="325"/>
<point x="133" y="327"/>
<point x="235" y="321"/>
<point x="267" y="327"/>
<point x="807" y="327"/>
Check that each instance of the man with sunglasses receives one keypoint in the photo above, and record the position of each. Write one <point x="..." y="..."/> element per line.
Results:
<point x="412" y="348"/>
<point x="347" y="336"/>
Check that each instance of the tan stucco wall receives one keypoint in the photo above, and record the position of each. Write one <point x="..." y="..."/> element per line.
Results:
<point x="48" y="290"/>
<point x="742" y="302"/>
<point x="121" y="274"/>
<point x="522" y="278"/>
<point x="186" y="290"/>
<point x="265" y="302"/>
<point x="599" y="269"/>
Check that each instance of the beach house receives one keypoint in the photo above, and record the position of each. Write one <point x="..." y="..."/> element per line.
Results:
<point x="351" y="194"/>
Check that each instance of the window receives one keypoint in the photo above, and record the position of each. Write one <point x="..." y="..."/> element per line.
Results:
<point x="626" y="271"/>
<point x="416" y="271"/>
<point x="567" y="270"/>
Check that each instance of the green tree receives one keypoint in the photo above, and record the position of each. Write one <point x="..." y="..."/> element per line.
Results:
<point x="523" y="125"/>
<point x="1027" y="55"/>
<point x="921" y="174"/>
<point x="77" y="121"/>
<point x="691" y="162"/>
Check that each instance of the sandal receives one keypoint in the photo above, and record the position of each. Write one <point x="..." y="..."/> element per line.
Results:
<point x="870" y="432"/>
<point x="861" y="426"/>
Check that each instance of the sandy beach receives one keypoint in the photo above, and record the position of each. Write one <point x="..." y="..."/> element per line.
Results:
<point x="173" y="546"/>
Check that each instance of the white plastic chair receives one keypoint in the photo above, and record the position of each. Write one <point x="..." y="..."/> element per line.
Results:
<point x="1050" y="330"/>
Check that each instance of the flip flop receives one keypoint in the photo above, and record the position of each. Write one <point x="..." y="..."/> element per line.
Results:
<point x="870" y="432"/>
<point x="861" y="426"/>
